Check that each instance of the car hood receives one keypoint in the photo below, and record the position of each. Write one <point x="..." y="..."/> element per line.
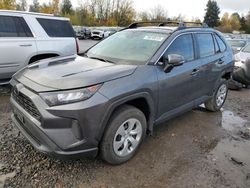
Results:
<point x="100" y="31"/>
<point x="69" y="73"/>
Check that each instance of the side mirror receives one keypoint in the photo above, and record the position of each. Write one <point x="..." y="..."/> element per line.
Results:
<point x="174" y="60"/>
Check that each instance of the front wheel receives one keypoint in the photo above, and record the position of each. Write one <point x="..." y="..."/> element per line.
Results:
<point x="125" y="133"/>
<point x="219" y="97"/>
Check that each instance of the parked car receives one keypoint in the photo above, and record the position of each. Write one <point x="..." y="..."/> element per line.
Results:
<point x="242" y="56"/>
<point x="97" y="33"/>
<point x="241" y="74"/>
<point x="108" y="100"/>
<point x="83" y="33"/>
<point x="237" y="44"/>
<point x="109" y="32"/>
<point x="29" y="37"/>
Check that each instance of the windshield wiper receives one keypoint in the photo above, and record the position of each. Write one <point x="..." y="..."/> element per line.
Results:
<point x="101" y="59"/>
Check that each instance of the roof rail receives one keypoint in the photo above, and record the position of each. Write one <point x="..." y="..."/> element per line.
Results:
<point x="180" y="25"/>
<point x="26" y="12"/>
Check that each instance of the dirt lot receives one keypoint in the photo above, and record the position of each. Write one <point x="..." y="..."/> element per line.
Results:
<point x="197" y="149"/>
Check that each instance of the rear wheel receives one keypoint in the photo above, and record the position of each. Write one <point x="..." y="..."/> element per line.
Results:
<point x="219" y="97"/>
<point x="125" y="133"/>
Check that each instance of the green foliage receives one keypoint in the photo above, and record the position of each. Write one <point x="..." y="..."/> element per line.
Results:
<point x="248" y="23"/>
<point x="8" y="4"/>
<point x="212" y="14"/>
<point x="66" y="7"/>
<point x="234" y="22"/>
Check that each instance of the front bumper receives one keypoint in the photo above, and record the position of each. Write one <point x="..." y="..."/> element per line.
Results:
<point x="67" y="131"/>
<point x="97" y="36"/>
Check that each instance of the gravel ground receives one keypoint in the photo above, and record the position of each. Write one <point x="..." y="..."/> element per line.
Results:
<point x="197" y="149"/>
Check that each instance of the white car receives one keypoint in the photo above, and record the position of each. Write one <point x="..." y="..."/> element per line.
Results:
<point x="28" y="37"/>
<point x="242" y="56"/>
<point x="97" y="33"/>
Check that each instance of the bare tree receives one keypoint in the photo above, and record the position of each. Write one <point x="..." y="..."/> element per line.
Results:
<point x="158" y="13"/>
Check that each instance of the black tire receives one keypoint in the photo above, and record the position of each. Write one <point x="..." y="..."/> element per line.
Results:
<point x="120" y="116"/>
<point x="212" y="105"/>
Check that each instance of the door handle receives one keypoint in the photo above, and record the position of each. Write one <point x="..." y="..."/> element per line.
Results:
<point x="220" y="61"/>
<point x="25" y="45"/>
<point x="195" y="72"/>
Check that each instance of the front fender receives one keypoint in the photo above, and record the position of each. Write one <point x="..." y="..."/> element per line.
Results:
<point x="121" y="101"/>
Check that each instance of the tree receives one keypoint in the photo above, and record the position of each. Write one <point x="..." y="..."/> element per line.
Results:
<point x="248" y="23"/>
<point x="55" y="7"/>
<point x="225" y="24"/>
<point x="8" y="4"/>
<point x="235" y="22"/>
<point x="212" y="14"/>
<point x="46" y="8"/>
<point x="22" y="5"/>
<point x="35" y="7"/>
<point x="144" y="16"/>
<point x="243" y="25"/>
<point x="66" y="7"/>
<point x="158" y="13"/>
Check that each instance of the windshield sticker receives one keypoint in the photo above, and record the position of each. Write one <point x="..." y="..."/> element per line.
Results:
<point x="154" y="38"/>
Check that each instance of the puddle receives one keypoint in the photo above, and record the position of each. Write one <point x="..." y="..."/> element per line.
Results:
<point x="231" y="157"/>
<point x="232" y="122"/>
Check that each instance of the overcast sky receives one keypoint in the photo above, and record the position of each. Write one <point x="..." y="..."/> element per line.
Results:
<point x="188" y="8"/>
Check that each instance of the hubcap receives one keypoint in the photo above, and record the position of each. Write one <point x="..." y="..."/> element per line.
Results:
<point x="127" y="137"/>
<point x="221" y="95"/>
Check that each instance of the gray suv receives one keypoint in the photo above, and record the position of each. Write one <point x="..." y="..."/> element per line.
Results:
<point x="106" y="101"/>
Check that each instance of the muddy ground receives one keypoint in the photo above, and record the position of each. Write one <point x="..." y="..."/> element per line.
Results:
<point x="197" y="149"/>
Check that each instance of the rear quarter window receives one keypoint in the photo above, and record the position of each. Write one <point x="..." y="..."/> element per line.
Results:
<point x="221" y="43"/>
<point x="57" y="28"/>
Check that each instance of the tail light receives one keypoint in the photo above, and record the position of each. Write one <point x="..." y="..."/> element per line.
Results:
<point x="77" y="45"/>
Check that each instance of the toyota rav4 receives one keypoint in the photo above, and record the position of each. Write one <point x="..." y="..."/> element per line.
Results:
<point x="107" y="100"/>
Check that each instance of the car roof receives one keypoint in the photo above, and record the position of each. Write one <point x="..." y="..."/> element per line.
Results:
<point x="14" y="12"/>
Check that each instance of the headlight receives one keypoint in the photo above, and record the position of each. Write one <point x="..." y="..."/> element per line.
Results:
<point x="70" y="96"/>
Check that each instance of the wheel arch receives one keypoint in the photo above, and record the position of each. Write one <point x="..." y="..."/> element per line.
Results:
<point x="42" y="56"/>
<point x="142" y="101"/>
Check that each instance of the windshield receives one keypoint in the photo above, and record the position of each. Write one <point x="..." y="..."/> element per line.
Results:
<point x="237" y="43"/>
<point x="246" y="49"/>
<point x="129" y="47"/>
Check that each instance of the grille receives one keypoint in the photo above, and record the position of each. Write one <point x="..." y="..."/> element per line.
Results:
<point x="96" y="33"/>
<point x="26" y="104"/>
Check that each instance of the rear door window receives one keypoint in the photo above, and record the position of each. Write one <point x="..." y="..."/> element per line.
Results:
<point x="12" y="26"/>
<point x="57" y="28"/>
<point x="205" y="44"/>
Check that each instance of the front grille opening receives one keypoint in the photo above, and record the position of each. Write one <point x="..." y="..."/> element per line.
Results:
<point x="26" y="104"/>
